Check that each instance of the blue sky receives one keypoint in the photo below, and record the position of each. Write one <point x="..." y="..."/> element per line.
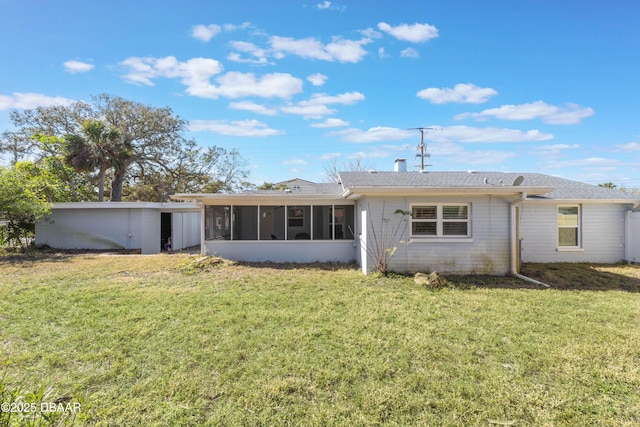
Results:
<point x="520" y="86"/>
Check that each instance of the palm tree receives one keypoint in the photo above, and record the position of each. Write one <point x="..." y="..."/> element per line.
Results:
<point x="98" y="148"/>
<point x="607" y="185"/>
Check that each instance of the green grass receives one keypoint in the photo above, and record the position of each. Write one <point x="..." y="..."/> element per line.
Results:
<point x="161" y="340"/>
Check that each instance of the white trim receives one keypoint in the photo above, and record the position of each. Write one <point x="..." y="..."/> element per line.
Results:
<point x="578" y="247"/>
<point x="569" y="249"/>
<point x="440" y="240"/>
<point x="439" y="221"/>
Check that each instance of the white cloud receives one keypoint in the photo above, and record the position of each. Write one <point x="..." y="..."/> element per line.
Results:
<point x="237" y="85"/>
<point x="331" y="123"/>
<point x="259" y="54"/>
<point x="327" y="5"/>
<point x="381" y="53"/>
<point x="551" y="114"/>
<point x="317" y="106"/>
<point x="294" y="162"/>
<point x="252" y="106"/>
<point x="339" y="49"/>
<point x="375" y="134"/>
<point x="593" y="162"/>
<point x="380" y="152"/>
<point x="309" y="111"/>
<point x="554" y="150"/>
<point x="485" y="135"/>
<point x="556" y="147"/>
<point x="233" y="27"/>
<point x="629" y="147"/>
<point x="194" y="72"/>
<point x="482" y="157"/>
<point x="329" y="156"/>
<point x="26" y="101"/>
<point x="249" y="128"/>
<point x="317" y="79"/>
<point x="415" y="33"/>
<point x="77" y="67"/>
<point x="197" y="72"/>
<point x="409" y="53"/>
<point x="205" y="32"/>
<point x="465" y="93"/>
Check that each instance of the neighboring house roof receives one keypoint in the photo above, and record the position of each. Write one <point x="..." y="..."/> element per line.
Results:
<point x="536" y="185"/>
<point x="309" y="190"/>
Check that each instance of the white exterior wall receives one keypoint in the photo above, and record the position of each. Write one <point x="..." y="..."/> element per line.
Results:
<point x="149" y="230"/>
<point x="602" y="227"/>
<point x="93" y="229"/>
<point x="283" y="250"/>
<point x="632" y="236"/>
<point x="185" y="230"/>
<point x="486" y="252"/>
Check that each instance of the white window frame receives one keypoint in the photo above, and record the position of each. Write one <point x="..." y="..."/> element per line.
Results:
<point x="439" y="221"/>
<point x="578" y="227"/>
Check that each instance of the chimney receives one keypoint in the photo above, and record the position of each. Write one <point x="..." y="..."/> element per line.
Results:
<point x="400" y="165"/>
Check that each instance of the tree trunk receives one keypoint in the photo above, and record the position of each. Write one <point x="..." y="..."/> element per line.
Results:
<point x="101" y="176"/>
<point x="116" y="185"/>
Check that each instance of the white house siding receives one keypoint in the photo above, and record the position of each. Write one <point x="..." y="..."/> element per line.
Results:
<point x="149" y="230"/>
<point x="185" y="230"/>
<point x="91" y="229"/>
<point x="602" y="227"/>
<point x="284" y="251"/>
<point x="105" y="226"/>
<point x="632" y="236"/>
<point x="487" y="253"/>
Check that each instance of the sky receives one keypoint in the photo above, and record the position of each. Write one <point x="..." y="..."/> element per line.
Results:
<point x="296" y="86"/>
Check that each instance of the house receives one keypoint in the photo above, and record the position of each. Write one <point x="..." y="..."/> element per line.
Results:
<point x="451" y="222"/>
<point x="144" y="226"/>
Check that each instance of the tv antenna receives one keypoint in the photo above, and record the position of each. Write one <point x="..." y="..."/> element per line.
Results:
<point x="422" y="148"/>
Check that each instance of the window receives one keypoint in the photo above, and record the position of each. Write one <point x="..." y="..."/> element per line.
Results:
<point x="440" y="220"/>
<point x="569" y="226"/>
<point x="319" y="222"/>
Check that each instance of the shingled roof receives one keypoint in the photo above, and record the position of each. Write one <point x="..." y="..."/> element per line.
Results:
<point x="562" y="189"/>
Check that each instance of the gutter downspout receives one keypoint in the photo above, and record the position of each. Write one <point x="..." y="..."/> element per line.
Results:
<point x="514" y="243"/>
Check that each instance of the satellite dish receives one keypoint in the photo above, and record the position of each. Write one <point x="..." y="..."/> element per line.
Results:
<point x="518" y="181"/>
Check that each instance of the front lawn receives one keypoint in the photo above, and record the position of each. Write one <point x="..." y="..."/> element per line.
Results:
<point x="163" y="340"/>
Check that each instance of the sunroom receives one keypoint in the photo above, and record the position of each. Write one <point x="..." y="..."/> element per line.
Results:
<point x="278" y="226"/>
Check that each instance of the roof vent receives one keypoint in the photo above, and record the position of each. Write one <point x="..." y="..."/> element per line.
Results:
<point x="372" y="171"/>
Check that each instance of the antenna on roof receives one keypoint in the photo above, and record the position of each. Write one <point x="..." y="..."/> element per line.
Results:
<point x="422" y="148"/>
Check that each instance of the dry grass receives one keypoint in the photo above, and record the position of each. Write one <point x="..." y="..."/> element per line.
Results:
<point x="157" y="340"/>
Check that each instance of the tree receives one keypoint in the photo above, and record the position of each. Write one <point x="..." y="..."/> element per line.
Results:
<point x="64" y="183"/>
<point x="607" y="185"/>
<point x="99" y="148"/>
<point x="333" y="169"/>
<point x="193" y="170"/>
<point x="22" y="202"/>
<point x="10" y="142"/>
<point x="272" y="186"/>
<point x="150" y="147"/>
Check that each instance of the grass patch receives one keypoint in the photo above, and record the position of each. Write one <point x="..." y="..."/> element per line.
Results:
<point x="145" y="343"/>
